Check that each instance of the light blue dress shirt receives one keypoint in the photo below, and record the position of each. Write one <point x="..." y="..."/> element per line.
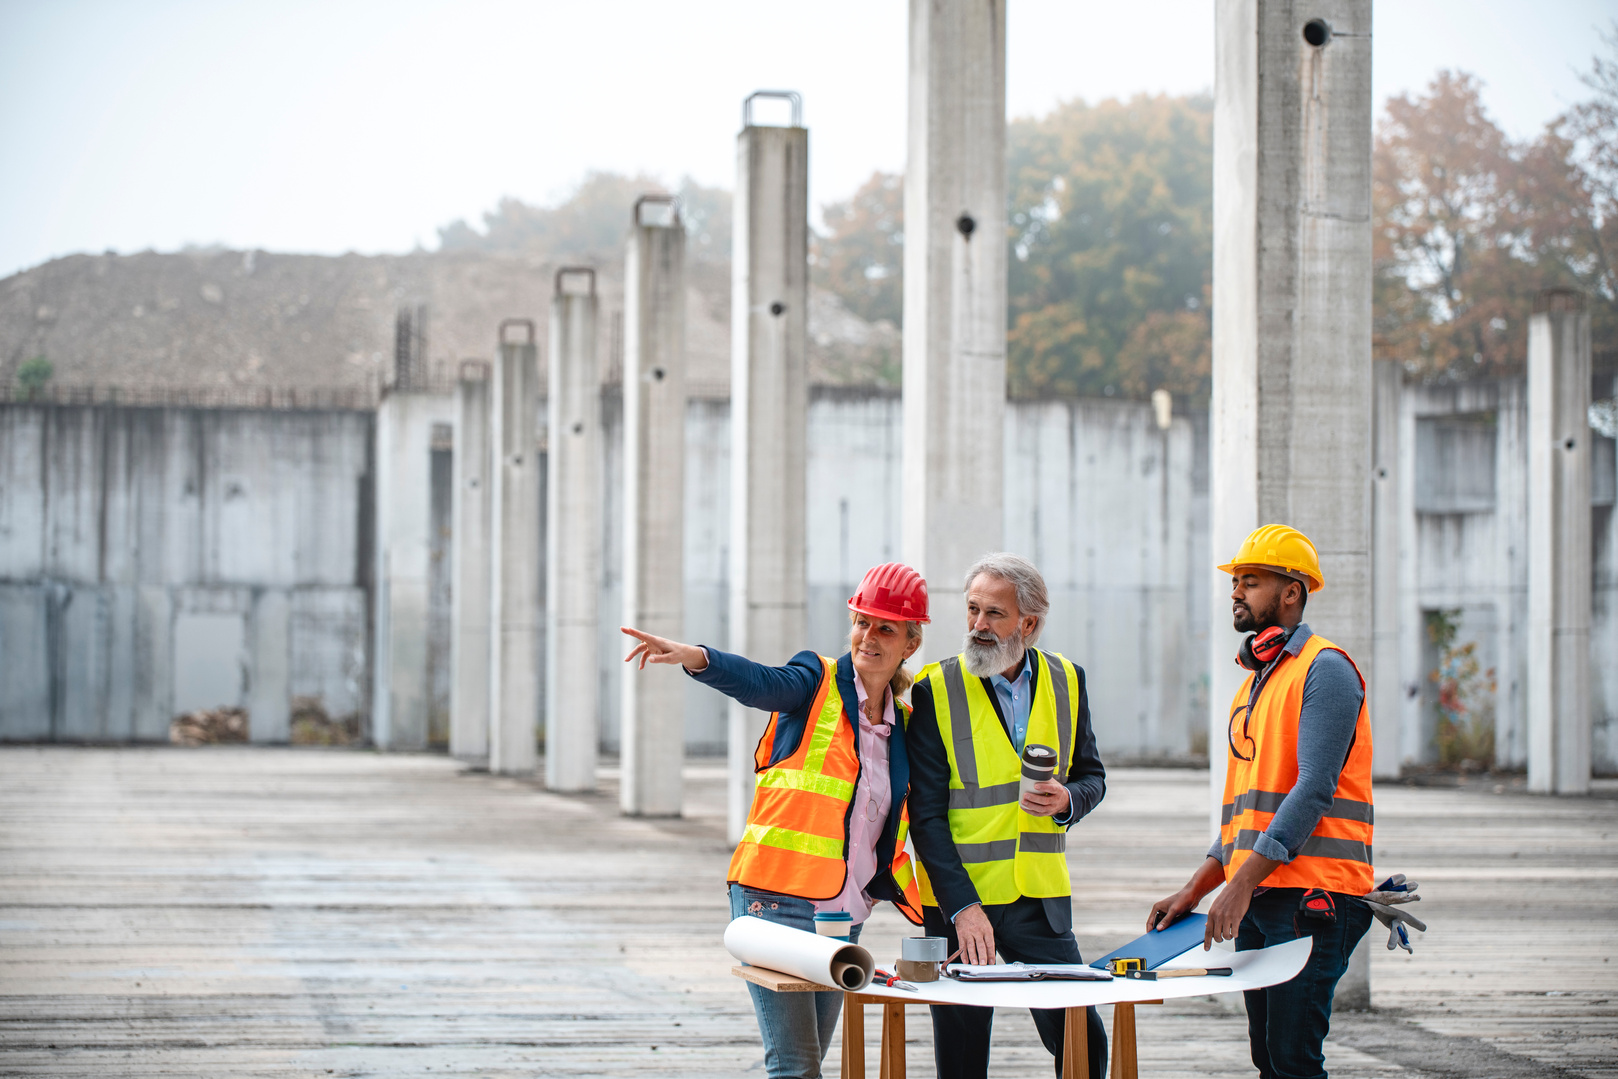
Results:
<point x="1016" y="701"/>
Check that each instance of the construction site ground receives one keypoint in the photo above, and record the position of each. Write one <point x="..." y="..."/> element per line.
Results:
<point x="242" y="911"/>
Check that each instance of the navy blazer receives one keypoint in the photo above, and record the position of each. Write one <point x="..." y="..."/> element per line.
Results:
<point x="790" y="690"/>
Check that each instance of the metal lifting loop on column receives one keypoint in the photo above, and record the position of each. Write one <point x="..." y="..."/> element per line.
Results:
<point x="783" y="95"/>
<point x="566" y="270"/>
<point x="476" y="370"/>
<point x="526" y="323"/>
<point x="671" y="201"/>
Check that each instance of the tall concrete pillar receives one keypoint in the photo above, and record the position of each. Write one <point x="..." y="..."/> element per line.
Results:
<point x="1559" y="555"/>
<point x="1388" y="596"/>
<point x="1290" y="425"/>
<point x="469" y="635"/>
<point x="572" y="537"/>
<point x="954" y="301"/>
<point x="652" y="702"/>
<point x="769" y="406"/>
<point x="514" y="556"/>
<point x="400" y="698"/>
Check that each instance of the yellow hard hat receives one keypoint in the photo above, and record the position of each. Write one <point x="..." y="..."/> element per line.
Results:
<point x="1280" y="548"/>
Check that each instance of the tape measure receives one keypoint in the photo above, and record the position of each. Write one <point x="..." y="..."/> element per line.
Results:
<point x="1121" y="967"/>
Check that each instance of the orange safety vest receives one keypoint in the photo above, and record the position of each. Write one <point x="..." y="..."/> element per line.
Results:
<point x="796" y="840"/>
<point x="1337" y="854"/>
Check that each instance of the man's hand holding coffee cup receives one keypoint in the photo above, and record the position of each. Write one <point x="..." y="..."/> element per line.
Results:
<point x="1041" y="795"/>
<point x="1045" y="799"/>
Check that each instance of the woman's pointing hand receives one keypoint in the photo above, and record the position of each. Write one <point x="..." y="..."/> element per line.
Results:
<point x="652" y="649"/>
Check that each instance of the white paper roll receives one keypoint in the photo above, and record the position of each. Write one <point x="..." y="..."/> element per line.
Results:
<point x="813" y="958"/>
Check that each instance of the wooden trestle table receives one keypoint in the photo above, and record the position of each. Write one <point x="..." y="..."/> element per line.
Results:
<point x="1251" y="970"/>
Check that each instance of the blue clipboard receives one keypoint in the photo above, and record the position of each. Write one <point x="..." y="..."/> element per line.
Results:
<point x="1161" y="946"/>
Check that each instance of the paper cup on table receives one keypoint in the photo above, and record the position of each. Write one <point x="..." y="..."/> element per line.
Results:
<point x="1038" y="765"/>
<point x="822" y="960"/>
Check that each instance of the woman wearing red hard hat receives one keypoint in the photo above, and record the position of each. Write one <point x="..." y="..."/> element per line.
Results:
<point x="826" y="833"/>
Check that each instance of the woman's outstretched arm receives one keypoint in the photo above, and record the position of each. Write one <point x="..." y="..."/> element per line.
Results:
<point x="789" y="688"/>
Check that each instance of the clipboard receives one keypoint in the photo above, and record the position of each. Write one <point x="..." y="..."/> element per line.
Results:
<point x="1159" y="946"/>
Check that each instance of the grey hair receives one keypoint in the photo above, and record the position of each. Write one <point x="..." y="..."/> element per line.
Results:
<point x="1032" y="598"/>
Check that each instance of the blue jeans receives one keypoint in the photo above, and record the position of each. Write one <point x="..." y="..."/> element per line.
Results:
<point x="1287" y="1023"/>
<point x="797" y="1027"/>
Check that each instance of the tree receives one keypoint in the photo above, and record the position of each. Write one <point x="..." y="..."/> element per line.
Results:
<point x="861" y="255"/>
<point x="1470" y="226"/>
<point x="1587" y="163"/>
<point x="32" y="375"/>
<point x="1111" y="248"/>
<point x="593" y="220"/>
<point x="1454" y="269"/>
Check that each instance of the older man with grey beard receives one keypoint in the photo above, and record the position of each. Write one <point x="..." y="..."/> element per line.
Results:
<point x="995" y="875"/>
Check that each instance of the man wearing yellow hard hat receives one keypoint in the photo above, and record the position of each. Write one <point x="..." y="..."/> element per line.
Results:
<point x="1294" y="847"/>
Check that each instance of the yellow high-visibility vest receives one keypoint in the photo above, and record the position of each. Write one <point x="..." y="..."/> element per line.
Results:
<point x="1007" y="852"/>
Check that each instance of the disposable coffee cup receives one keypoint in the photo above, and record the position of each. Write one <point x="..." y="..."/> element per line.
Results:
<point x="834" y="923"/>
<point x="1038" y="765"/>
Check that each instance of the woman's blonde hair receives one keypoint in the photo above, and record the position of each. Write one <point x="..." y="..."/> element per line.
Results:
<point x="902" y="678"/>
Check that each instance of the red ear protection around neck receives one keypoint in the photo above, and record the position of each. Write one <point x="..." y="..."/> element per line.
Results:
<point x="1259" y="649"/>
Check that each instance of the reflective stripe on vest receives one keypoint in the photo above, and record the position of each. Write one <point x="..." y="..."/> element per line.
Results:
<point x="796" y="839"/>
<point x="1008" y="853"/>
<point x="1337" y="854"/>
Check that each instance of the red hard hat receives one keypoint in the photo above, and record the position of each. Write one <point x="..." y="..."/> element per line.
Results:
<point x="893" y="591"/>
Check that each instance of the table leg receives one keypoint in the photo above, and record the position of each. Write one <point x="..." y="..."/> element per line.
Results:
<point x="893" y="1041"/>
<point x="853" y="1038"/>
<point x="1076" y="1047"/>
<point x="1124" y="1064"/>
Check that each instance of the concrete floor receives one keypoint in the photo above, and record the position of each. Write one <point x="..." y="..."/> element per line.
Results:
<point x="279" y="912"/>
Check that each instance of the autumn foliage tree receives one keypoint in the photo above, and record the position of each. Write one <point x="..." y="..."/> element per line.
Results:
<point x="1111" y="248"/>
<point x="1470" y="225"/>
<point x="860" y="254"/>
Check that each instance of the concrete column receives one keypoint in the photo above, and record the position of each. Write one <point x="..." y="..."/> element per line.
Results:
<point x="1387" y="599"/>
<point x="1559" y="570"/>
<point x="954" y="301"/>
<point x="769" y="407"/>
<point x="652" y="702"/>
<point x="269" y="695"/>
<point x="469" y="636"/>
<point x="400" y="692"/>
<point x="572" y="537"/>
<point x="514" y="557"/>
<point x="1290" y="423"/>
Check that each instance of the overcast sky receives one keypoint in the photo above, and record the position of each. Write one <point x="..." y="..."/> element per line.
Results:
<point x="365" y="124"/>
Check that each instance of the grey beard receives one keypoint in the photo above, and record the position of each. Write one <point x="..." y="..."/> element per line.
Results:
<point x="983" y="660"/>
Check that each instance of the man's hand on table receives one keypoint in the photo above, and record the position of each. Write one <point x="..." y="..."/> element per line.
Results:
<point x="1209" y="875"/>
<point x="975" y="936"/>
<point x="1047" y="798"/>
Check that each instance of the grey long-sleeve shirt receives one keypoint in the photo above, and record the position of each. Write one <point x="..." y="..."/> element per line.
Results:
<point x="1332" y="695"/>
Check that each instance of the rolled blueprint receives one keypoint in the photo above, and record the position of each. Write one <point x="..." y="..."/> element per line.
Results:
<point x="822" y="960"/>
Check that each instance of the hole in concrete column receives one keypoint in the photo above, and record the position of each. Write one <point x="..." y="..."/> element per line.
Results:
<point x="1569" y="444"/>
<point x="658" y="373"/>
<point x="1317" y="32"/>
<point x="777" y="308"/>
<point x="1381" y="473"/>
<point x="965" y="225"/>
<point x="578" y="428"/>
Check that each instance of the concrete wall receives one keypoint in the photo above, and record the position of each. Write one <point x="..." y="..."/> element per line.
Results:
<point x="1464" y="533"/>
<point x="1113" y="509"/>
<point x="158" y="560"/>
